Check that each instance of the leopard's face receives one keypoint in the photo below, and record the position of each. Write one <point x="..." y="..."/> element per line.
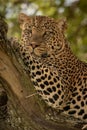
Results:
<point x="42" y="34"/>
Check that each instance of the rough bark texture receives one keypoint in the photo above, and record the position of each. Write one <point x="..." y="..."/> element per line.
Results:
<point x="23" y="113"/>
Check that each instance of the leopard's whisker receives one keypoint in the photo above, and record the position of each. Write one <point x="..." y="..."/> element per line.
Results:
<point x="31" y="95"/>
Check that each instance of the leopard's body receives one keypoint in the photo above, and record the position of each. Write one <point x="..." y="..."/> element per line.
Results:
<point x="57" y="74"/>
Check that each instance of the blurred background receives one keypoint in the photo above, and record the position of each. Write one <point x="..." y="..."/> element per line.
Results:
<point x="74" y="10"/>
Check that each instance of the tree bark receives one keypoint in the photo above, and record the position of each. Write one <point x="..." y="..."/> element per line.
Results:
<point x="23" y="112"/>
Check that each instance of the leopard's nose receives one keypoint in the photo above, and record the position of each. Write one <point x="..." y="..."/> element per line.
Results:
<point x="34" y="45"/>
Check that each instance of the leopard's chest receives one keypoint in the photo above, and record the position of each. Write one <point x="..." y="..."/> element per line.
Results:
<point x="46" y="83"/>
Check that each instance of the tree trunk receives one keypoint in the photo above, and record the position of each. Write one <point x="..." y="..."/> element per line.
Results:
<point x="21" y="108"/>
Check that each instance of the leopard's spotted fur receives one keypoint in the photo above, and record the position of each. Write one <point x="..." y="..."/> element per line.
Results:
<point x="58" y="76"/>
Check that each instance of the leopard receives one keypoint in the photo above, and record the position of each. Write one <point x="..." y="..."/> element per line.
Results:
<point x="59" y="77"/>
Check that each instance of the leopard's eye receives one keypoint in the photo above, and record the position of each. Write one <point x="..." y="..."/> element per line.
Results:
<point x="46" y="33"/>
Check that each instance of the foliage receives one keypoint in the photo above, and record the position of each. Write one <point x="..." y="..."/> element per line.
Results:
<point x="74" y="10"/>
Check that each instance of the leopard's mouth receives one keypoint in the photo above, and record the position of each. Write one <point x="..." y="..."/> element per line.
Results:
<point x="34" y="47"/>
<point x="39" y="49"/>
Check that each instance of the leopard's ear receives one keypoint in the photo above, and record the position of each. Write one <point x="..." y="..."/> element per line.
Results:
<point x="62" y="24"/>
<point x="22" y="18"/>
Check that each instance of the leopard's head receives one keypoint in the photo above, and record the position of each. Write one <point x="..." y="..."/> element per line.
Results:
<point x="44" y="35"/>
